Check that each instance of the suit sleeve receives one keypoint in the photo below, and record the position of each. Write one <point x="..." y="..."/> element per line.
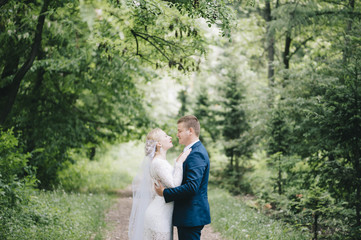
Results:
<point x="195" y="167"/>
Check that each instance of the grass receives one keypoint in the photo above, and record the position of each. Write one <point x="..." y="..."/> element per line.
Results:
<point x="235" y="220"/>
<point x="58" y="215"/>
<point x="67" y="215"/>
<point x="78" y="212"/>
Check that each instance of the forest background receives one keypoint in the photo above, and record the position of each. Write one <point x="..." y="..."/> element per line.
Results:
<point x="275" y="85"/>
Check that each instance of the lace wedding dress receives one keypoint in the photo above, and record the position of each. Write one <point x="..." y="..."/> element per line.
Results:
<point x="158" y="215"/>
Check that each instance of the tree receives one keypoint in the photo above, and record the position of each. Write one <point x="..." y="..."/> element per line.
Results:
<point x="235" y="127"/>
<point x="279" y="143"/>
<point x="315" y="49"/>
<point x="205" y="112"/>
<point x="182" y="97"/>
<point x="328" y="119"/>
<point x="11" y="69"/>
<point x="69" y="77"/>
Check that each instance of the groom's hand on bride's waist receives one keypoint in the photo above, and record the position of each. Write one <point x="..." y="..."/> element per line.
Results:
<point x="159" y="188"/>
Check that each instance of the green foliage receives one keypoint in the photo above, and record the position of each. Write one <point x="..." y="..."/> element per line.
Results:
<point x="235" y="220"/>
<point x="207" y="115"/>
<point x="84" y="64"/>
<point x="182" y="97"/>
<point x="232" y="180"/>
<point x="113" y="168"/>
<point x="56" y="215"/>
<point x="279" y="144"/>
<point x="214" y="12"/>
<point x="327" y="117"/>
<point x="312" y="133"/>
<point x="85" y="85"/>
<point x="234" y="120"/>
<point x="235" y="129"/>
<point x="310" y="209"/>
<point x="16" y="178"/>
<point x="29" y="214"/>
<point x="279" y="132"/>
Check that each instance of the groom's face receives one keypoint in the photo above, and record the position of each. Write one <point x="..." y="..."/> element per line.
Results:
<point x="183" y="134"/>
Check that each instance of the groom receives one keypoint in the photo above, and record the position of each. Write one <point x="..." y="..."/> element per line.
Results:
<point x="191" y="207"/>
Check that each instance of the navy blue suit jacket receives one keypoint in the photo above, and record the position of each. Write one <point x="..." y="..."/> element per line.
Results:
<point x="191" y="207"/>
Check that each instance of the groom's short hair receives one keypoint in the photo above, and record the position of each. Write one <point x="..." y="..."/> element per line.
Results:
<point x="191" y="121"/>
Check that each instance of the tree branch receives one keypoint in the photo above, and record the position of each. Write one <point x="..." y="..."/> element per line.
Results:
<point x="136" y="40"/>
<point x="350" y="13"/>
<point x="162" y="39"/>
<point x="155" y="46"/>
<point x="27" y="65"/>
<point x="299" y="47"/>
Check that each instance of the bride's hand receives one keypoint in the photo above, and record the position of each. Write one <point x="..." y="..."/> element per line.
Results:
<point x="183" y="156"/>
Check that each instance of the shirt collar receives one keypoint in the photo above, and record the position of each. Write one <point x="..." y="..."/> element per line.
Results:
<point x="190" y="145"/>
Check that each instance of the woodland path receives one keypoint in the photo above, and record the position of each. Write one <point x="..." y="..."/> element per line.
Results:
<point x="118" y="218"/>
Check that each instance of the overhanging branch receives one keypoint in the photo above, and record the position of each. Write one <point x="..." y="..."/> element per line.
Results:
<point x="27" y="65"/>
<point x="299" y="47"/>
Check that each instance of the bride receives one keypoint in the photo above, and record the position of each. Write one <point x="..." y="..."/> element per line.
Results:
<point x="151" y="216"/>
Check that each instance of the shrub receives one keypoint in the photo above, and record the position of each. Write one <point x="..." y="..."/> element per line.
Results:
<point x="16" y="178"/>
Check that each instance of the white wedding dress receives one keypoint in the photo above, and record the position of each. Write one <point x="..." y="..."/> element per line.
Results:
<point x="158" y="215"/>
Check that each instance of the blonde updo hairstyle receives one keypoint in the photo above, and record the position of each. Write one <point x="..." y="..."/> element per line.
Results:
<point x="151" y="141"/>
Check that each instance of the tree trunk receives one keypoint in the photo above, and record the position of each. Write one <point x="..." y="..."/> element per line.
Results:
<point x="358" y="188"/>
<point x="35" y="95"/>
<point x="13" y="90"/>
<point x="315" y="226"/>
<point x="279" y="182"/>
<point x="286" y="56"/>
<point x="237" y="172"/>
<point x="11" y="66"/>
<point x="347" y="50"/>
<point x="92" y="153"/>
<point x="286" y="53"/>
<point x="357" y="155"/>
<point x="270" y="45"/>
<point x="12" y="61"/>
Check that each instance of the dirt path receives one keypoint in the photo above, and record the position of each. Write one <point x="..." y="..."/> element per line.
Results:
<point x="118" y="216"/>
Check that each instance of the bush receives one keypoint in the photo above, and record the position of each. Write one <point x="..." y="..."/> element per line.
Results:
<point x="16" y="178"/>
<point x="231" y="180"/>
<point x="235" y="220"/>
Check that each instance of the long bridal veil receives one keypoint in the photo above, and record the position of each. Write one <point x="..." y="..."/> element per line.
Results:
<point x="143" y="193"/>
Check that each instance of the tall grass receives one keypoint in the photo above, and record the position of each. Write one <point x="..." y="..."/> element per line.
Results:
<point x="57" y="215"/>
<point x="235" y="220"/>
<point x="76" y="211"/>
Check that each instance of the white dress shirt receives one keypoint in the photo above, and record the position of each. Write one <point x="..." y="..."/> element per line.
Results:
<point x="190" y="145"/>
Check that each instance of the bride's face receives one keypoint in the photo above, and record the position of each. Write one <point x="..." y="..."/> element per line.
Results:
<point x="165" y="140"/>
